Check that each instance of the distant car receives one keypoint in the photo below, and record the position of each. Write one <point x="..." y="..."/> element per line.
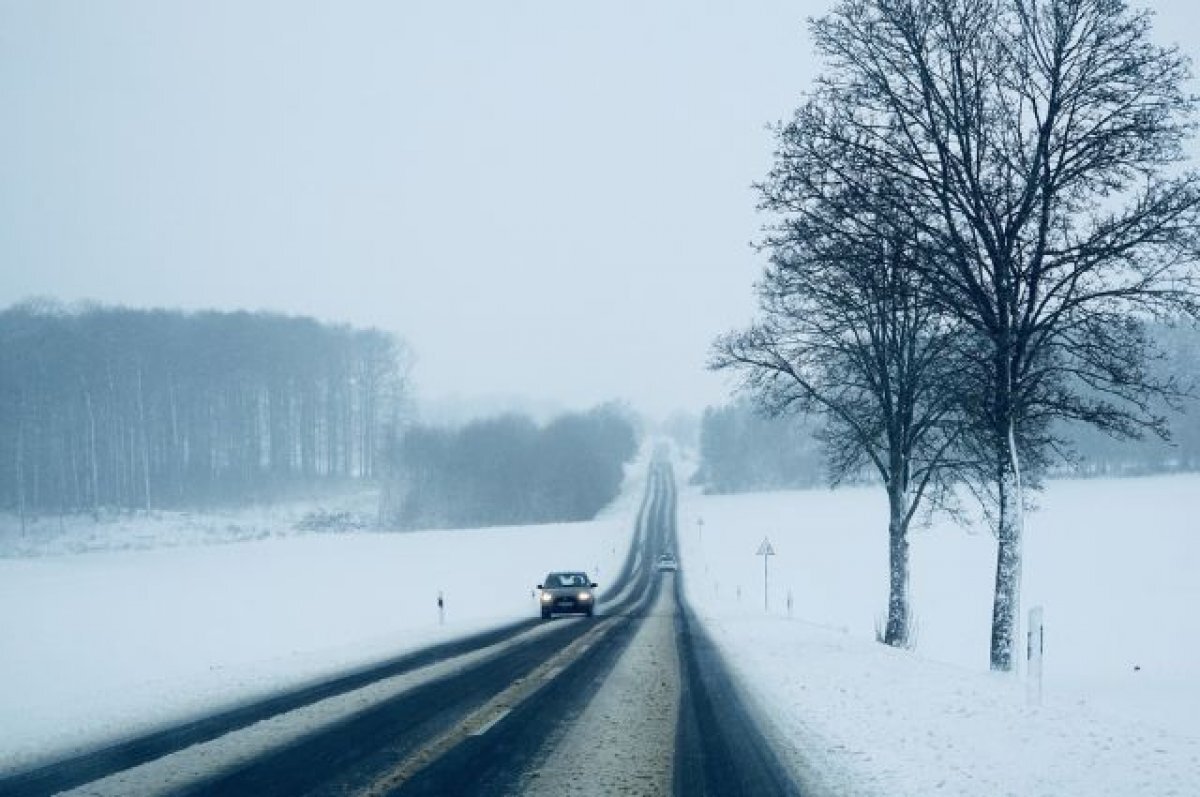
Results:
<point x="567" y="593"/>
<point x="667" y="562"/>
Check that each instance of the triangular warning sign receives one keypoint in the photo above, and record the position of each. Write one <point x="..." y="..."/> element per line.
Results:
<point x="765" y="549"/>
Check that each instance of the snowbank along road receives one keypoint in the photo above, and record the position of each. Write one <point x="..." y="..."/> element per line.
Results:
<point x="635" y="701"/>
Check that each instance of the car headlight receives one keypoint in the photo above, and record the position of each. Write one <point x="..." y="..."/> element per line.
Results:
<point x="547" y="597"/>
<point x="585" y="596"/>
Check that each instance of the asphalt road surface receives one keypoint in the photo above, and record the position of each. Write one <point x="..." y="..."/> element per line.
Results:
<point x="635" y="701"/>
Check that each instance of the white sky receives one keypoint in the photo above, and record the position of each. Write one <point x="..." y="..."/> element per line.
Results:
<point x="547" y="199"/>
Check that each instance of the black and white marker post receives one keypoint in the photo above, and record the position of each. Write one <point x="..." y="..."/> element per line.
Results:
<point x="1034" y="647"/>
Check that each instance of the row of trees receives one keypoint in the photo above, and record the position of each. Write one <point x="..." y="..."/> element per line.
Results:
<point x="742" y="448"/>
<point x="976" y="212"/>
<point x="1093" y="453"/>
<point x="112" y="407"/>
<point x="508" y="470"/>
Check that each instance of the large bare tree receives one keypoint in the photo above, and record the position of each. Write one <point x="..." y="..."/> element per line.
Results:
<point x="1036" y="147"/>
<point x="846" y="331"/>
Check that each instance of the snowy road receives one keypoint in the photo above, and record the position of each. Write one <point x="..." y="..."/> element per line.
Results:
<point x="635" y="701"/>
<point x="623" y="742"/>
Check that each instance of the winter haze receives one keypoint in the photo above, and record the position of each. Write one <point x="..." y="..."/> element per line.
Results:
<point x="548" y="200"/>
<point x="471" y="207"/>
<point x="543" y="199"/>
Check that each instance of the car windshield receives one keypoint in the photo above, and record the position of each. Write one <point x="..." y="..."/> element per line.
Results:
<point x="567" y="580"/>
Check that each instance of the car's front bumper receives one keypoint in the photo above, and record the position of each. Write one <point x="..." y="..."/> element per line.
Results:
<point x="568" y="605"/>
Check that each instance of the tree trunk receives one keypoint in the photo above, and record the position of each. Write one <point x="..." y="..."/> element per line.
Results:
<point x="145" y="442"/>
<point x="21" y="463"/>
<point x="94" y="470"/>
<point x="176" y="449"/>
<point x="1006" y="604"/>
<point x="896" y="633"/>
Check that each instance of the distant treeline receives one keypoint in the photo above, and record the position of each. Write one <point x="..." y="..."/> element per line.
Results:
<point x="1092" y="453"/>
<point x="508" y="470"/>
<point x="742" y="450"/>
<point x="113" y="407"/>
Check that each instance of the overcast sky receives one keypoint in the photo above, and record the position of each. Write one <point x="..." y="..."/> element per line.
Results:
<point x="546" y="199"/>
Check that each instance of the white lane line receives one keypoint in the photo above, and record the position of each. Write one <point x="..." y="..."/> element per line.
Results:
<point x="482" y="729"/>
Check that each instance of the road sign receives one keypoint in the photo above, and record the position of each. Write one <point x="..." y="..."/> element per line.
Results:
<point x="764" y="551"/>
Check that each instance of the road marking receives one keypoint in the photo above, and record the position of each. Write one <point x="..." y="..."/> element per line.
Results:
<point x="483" y="718"/>
<point x="491" y="723"/>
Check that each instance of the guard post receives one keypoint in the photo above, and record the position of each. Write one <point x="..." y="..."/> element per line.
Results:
<point x="1034" y="648"/>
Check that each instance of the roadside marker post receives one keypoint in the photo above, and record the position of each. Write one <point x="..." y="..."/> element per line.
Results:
<point x="1035" y="640"/>
<point x="441" y="609"/>
<point x="765" y="550"/>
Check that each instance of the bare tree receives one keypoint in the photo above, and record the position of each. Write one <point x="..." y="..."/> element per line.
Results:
<point x="847" y="332"/>
<point x="1035" y="147"/>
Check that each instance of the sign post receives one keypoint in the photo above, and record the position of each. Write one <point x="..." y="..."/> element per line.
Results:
<point x="765" y="550"/>
<point x="1034" y="647"/>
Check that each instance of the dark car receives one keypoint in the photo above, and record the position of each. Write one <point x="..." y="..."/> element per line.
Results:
<point x="567" y="593"/>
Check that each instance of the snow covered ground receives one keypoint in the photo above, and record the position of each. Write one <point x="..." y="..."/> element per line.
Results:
<point x="1114" y="563"/>
<point x="135" y="634"/>
<point x="51" y="535"/>
<point x="132" y="634"/>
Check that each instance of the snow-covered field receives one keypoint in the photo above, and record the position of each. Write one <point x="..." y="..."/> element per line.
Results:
<point x="133" y="634"/>
<point x="51" y="535"/>
<point x="1114" y="563"/>
<point x="109" y="642"/>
